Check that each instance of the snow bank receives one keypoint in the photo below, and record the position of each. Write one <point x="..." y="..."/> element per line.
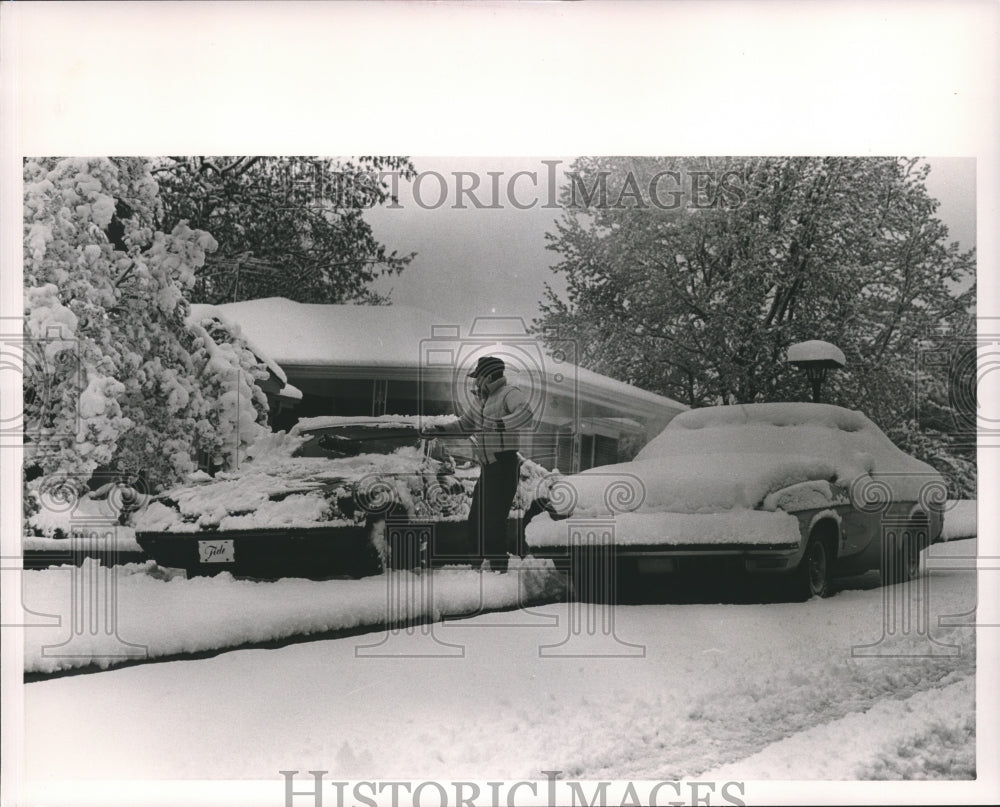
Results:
<point x="960" y="520"/>
<point x="161" y="610"/>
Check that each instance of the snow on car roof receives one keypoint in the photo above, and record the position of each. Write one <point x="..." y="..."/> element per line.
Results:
<point x="774" y="414"/>
<point x="825" y="432"/>
<point x="729" y="458"/>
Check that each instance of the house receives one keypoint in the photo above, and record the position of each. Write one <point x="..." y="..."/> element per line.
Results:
<point x="374" y="360"/>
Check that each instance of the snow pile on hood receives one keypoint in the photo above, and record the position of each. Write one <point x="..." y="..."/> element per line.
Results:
<point x="276" y="489"/>
<point x="729" y="459"/>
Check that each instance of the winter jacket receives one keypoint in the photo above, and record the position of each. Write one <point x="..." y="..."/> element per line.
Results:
<point x="499" y="422"/>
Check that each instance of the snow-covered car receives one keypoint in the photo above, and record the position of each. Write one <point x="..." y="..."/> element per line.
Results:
<point x="323" y="500"/>
<point x="807" y="491"/>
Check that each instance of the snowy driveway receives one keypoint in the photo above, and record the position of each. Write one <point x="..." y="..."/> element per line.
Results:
<point x="781" y="690"/>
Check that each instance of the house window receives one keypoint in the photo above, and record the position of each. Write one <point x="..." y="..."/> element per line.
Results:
<point x="586" y="451"/>
<point x="380" y="393"/>
<point x="564" y="451"/>
<point x="605" y="450"/>
<point x="597" y="449"/>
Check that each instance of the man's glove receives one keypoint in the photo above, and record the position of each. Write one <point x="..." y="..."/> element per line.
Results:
<point x="432" y="431"/>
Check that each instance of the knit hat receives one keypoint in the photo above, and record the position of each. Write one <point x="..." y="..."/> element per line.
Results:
<point x="487" y="365"/>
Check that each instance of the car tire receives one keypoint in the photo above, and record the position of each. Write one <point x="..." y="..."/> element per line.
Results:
<point x="812" y="576"/>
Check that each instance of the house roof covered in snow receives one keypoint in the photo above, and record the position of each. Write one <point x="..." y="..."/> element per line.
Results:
<point x="398" y="339"/>
<point x="200" y="312"/>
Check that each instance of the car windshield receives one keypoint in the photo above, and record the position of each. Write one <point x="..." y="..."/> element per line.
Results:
<point x="337" y="442"/>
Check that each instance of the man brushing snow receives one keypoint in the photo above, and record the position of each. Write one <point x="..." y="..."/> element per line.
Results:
<point x="494" y="423"/>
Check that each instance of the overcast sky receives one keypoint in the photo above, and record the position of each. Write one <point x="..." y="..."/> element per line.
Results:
<point x="475" y="262"/>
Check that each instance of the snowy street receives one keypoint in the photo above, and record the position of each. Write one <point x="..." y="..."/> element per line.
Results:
<point x="718" y="691"/>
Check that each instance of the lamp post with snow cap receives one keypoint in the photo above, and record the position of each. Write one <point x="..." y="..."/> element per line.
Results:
<point x="816" y="358"/>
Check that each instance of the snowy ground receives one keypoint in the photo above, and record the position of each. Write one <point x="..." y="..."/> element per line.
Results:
<point x="960" y="519"/>
<point x="158" y="612"/>
<point x="708" y="690"/>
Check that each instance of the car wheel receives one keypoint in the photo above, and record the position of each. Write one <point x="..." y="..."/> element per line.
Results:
<point x="812" y="577"/>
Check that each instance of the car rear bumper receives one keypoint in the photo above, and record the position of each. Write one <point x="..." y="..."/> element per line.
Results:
<point x="771" y="559"/>
<point x="315" y="553"/>
<point x="322" y="552"/>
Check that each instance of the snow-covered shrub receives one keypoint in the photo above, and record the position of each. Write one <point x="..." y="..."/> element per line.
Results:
<point x="114" y="377"/>
<point x="229" y="369"/>
<point x="938" y="450"/>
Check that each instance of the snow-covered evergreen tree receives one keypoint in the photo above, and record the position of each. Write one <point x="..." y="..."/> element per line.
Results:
<point x="114" y="376"/>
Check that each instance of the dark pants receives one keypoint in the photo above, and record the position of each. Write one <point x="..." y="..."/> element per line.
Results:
<point x="491" y="501"/>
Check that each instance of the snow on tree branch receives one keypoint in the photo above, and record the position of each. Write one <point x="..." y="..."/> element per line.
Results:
<point x="115" y="376"/>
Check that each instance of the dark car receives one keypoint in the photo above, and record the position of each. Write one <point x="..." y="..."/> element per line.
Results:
<point x="334" y="496"/>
